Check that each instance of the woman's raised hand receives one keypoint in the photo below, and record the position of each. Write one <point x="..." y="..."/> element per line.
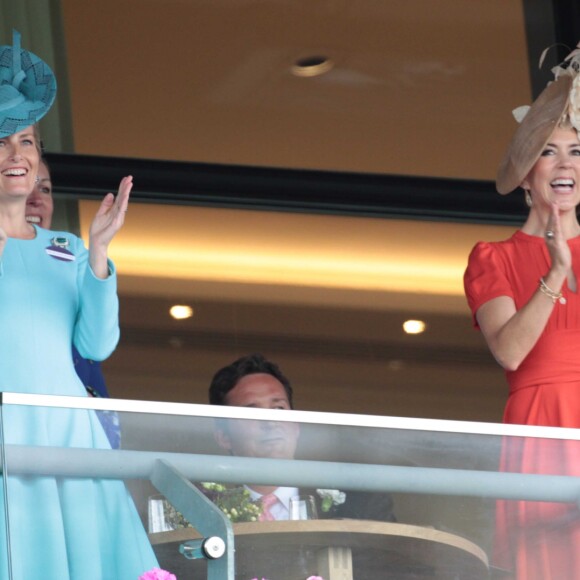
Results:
<point x="107" y="222"/>
<point x="556" y="242"/>
<point x="111" y="214"/>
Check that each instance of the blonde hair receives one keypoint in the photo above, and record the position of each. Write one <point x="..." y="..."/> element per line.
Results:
<point x="565" y="122"/>
<point x="36" y="130"/>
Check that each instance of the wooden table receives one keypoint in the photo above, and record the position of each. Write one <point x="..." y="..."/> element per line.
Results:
<point x="335" y="550"/>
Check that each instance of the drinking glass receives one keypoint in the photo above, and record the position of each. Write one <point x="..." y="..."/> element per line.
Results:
<point x="303" y="507"/>
<point x="162" y="516"/>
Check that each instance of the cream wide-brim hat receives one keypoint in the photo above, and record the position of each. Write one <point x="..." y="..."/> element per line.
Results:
<point x="533" y="134"/>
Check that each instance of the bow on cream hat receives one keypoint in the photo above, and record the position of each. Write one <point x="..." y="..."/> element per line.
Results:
<point x="558" y="103"/>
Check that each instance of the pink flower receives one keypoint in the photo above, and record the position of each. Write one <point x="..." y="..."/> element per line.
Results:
<point x="315" y="578"/>
<point x="157" y="574"/>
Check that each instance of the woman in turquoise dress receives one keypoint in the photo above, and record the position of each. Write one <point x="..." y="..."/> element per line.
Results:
<point x="54" y="293"/>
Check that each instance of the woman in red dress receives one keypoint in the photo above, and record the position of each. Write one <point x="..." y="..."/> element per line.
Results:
<point x="524" y="296"/>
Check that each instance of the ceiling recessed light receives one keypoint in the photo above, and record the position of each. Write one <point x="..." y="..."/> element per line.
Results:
<point x="180" y="311"/>
<point x="414" y="326"/>
<point x="311" y="66"/>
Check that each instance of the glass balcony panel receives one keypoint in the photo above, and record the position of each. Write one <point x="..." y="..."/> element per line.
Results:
<point x="417" y="498"/>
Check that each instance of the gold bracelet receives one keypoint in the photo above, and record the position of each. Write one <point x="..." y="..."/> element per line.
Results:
<point x="549" y="292"/>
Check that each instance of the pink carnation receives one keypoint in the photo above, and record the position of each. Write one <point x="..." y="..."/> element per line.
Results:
<point x="157" y="574"/>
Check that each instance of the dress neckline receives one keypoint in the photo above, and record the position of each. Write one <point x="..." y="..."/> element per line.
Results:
<point x="29" y="239"/>
<point x="522" y="236"/>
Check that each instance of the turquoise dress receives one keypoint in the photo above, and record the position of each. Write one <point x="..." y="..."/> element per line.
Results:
<point x="60" y="529"/>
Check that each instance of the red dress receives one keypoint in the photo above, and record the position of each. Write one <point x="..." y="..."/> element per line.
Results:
<point x="535" y="540"/>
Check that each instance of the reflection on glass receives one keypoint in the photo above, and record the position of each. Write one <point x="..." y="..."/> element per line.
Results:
<point x="444" y="485"/>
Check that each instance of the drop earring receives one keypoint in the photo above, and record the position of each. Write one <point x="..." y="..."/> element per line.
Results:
<point x="528" y="198"/>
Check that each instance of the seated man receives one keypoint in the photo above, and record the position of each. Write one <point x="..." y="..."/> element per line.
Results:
<point x="253" y="381"/>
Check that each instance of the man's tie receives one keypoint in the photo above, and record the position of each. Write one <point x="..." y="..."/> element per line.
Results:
<point x="268" y="501"/>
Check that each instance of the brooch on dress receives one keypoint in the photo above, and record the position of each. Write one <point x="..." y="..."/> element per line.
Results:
<point x="58" y="249"/>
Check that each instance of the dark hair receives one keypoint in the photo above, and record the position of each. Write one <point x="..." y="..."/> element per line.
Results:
<point x="229" y="376"/>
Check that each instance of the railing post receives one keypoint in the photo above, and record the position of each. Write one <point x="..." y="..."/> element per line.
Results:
<point x="201" y="513"/>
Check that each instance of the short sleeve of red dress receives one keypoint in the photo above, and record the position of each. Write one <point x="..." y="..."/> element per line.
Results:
<point x="485" y="277"/>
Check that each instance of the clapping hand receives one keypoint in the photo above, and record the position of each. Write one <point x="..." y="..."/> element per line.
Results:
<point x="560" y="254"/>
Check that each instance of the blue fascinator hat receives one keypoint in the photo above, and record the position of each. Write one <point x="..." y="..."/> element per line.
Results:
<point x="27" y="88"/>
